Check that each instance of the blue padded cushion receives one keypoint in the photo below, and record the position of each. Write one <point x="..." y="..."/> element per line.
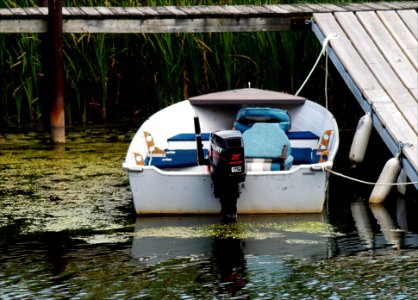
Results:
<point x="178" y="158"/>
<point x="184" y="137"/>
<point x="248" y="116"/>
<point x="302" y="155"/>
<point x="302" y="135"/>
<point x="265" y="140"/>
<point x="315" y="156"/>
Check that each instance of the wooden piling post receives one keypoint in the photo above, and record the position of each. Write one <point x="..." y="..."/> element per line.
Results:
<point x="56" y="75"/>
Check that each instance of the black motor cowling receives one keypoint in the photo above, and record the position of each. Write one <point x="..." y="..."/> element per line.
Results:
<point x="227" y="164"/>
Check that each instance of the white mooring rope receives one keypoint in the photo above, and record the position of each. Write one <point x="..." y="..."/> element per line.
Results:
<point x="331" y="36"/>
<point x="366" y="182"/>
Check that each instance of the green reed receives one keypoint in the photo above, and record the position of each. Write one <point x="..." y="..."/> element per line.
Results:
<point x="112" y="76"/>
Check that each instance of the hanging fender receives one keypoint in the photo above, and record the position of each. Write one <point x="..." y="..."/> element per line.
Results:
<point x="361" y="139"/>
<point x="388" y="175"/>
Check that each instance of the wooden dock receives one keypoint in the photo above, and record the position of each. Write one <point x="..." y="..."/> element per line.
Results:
<point x="377" y="56"/>
<point x="376" y="52"/>
<point x="171" y="19"/>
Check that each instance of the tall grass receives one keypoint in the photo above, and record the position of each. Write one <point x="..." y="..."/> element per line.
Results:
<point x="112" y="76"/>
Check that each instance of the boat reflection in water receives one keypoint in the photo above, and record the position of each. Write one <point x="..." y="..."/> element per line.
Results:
<point x="259" y="247"/>
<point x="300" y="236"/>
<point x="160" y="238"/>
<point x="256" y="244"/>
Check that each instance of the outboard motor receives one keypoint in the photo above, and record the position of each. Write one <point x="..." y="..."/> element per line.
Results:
<point x="227" y="164"/>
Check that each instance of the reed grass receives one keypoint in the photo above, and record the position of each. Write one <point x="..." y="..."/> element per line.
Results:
<point x="120" y="76"/>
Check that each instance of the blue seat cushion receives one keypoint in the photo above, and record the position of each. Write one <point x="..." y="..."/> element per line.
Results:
<point x="266" y="140"/>
<point x="185" y="137"/>
<point x="178" y="158"/>
<point x="248" y="116"/>
<point x="302" y="155"/>
<point x="302" y="135"/>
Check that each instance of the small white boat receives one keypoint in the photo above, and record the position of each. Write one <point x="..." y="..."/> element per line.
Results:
<point x="248" y="150"/>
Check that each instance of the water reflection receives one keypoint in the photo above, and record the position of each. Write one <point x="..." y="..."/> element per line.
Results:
<point x="230" y="265"/>
<point x="256" y="249"/>
<point x="378" y="228"/>
<point x="159" y="238"/>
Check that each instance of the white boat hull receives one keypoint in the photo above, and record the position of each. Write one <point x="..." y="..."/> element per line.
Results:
<point x="189" y="190"/>
<point x="158" y="192"/>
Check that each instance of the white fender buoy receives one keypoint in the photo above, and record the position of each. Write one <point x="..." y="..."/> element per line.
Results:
<point x="402" y="179"/>
<point x="389" y="174"/>
<point x="361" y="139"/>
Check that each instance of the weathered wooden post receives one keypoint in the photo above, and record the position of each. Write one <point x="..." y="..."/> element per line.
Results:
<point x="45" y="93"/>
<point x="56" y="72"/>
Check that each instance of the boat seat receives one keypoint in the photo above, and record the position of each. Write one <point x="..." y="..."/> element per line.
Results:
<point x="302" y="135"/>
<point x="268" y="141"/>
<point x="178" y="158"/>
<point x="292" y="135"/>
<point x="304" y="156"/>
<point x="248" y="116"/>
<point x="187" y="137"/>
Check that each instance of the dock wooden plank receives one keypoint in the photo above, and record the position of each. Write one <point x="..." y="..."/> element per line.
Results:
<point x="346" y="52"/>
<point x="376" y="6"/>
<point x="91" y="12"/>
<point x="407" y="4"/>
<point x="391" y="121"/>
<point x="389" y="48"/>
<point x="257" y="10"/>
<point x="354" y="7"/>
<point x="105" y="11"/>
<point x="120" y="11"/>
<point x="213" y="10"/>
<point x="225" y="14"/>
<point x="65" y="12"/>
<point x="147" y="11"/>
<point x="391" y="5"/>
<point x="5" y="13"/>
<point x="319" y="8"/>
<point x="33" y="11"/>
<point x="276" y="8"/>
<point x="232" y="10"/>
<point x="43" y="10"/>
<point x="140" y="11"/>
<point x="177" y="25"/>
<point x="22" y="25"/>
<point x="301" y="8"/>
<point x="333" y="7"/>
<point x="410" y="18"/>
<point x="176" y="11"/>
<point x="164" y="12"/>
<point x="371" y="90"/>
<point x="19" y="12"/>
<point x="397" y="28"/>
<point x="191" y="11"/>
<point x="76" y="12"/>
<point x="374" y="59"/>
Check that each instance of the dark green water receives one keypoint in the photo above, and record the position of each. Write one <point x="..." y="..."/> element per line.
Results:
<point x="67" y="231"/>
